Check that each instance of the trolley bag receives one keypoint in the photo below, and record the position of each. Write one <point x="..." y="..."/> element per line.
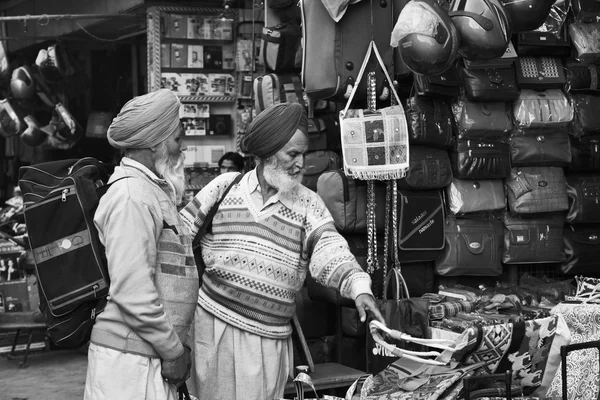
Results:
<point x="537" y="190"/>
<point x="584" y="199"/>
<point x="60" y="199"/>
<point x="333" y="51"/>
<point x="274" y="88"/>
<point x="346" y="200"/>
<point x="316" y="163"/>
<point x="533" y="238"/>
<point x="581" y="247"/>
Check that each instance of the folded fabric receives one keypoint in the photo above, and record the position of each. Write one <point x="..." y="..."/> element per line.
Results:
<point x="450" y="308"/>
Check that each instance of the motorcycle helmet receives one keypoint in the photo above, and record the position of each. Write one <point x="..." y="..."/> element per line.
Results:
<point x="426" y="38"/>
<point x="526" y="15"/>
<point x="22" y="85"/>
<point x="11" y="123"/>
<point x="483" y="27"/>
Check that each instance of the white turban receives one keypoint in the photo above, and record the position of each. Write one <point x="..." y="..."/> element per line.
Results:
<point x="145" y="121"/>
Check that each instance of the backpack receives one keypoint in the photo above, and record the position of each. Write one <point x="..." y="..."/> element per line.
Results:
<point x="60" y="199"/>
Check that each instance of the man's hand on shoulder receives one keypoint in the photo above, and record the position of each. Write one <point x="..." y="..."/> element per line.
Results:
<point x="177" y="371"/>
<point x="365" y="303"/>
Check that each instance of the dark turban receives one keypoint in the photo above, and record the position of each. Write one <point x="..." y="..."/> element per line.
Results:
<point x="145" y="121"/>
<point x="270" y="131"/>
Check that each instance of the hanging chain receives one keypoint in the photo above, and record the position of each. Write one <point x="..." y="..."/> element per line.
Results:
<point x="371" y="92"/>
<point x="395" y="228"/>
<point x="386" y="243"/>
<point x="370" y="224"/>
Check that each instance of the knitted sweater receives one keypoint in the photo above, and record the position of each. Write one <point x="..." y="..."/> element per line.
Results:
<point x="257" y="259"/>
<point x="153" y="276"/>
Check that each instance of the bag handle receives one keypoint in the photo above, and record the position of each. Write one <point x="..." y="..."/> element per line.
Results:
<point x="400" y="283"/>
<point x="372" y="47"/>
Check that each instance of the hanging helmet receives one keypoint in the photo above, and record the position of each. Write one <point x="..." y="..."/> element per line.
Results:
<point x="483" y="28"/>
<point x="22" y="85"/>
<point x="11" y="123"/>
<point x="526" y="15"/>
<point x="426" y="38"/>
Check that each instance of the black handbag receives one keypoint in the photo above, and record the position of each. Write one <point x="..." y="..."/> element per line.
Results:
<point x="584" y="199"/>
<point x="473" y="247"/>
<point x="430" y="168"/>
<point x="587" y="114"/>
<point x="421" y="226"/>
<point x="469" y="196"/>
<point x="430" y="122"/>
<point x="549" y="147"/>
<point x="581" y="248"/>
<point x="316" y="163"/>
<point x="550" y="39"/>
<point x="585" y="10"/>
<point x="446" y="84"/>
<point x="540" y="73"/>
<point x="533" y="238"/>
<point x="537" y="190"/>
<point x="478" y="120"/>
<point x="494" y="84"/>
<point x="585" y="154"/>
<point x="480" y="159"/>
<point x="582" y="76"/>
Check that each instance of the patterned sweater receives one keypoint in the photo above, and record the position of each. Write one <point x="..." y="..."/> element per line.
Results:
<point x="257" y="259"/>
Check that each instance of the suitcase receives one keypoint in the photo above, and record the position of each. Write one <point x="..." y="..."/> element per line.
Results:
<point x="333" y="52"/>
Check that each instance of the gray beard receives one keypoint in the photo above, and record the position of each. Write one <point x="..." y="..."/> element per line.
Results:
<point x="276" y="177"/>
<point x="172" y="170"/>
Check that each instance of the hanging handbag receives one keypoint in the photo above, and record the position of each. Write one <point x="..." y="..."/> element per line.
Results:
<point x="374" y="142"/>
<point x="468" y="196"/>
<point x="316" y="163"/>
<point x="540" y="73"/>
<point x="542" y="109"/>
<point x="494" y="84"/>
<point x="446" y="84"/>
<point x="581" y="247"/>
<point x="547" y="147"/>
<point x="585" y="154"/>
<point x="430" y="168"/>
<point x="536" y="190"/>
<point x="473" y="247"/>
<point x="478" y="120"/>
<point x="421" y="225"/>
<point x="582" y="76"/>
<point x="480" y="159"/>
<point x="430" y="122"/>
<point x="533" y="238"/>
<point x="586" y="40"/>
<point x="584" y="199"/>
<point x="587" y="115"/>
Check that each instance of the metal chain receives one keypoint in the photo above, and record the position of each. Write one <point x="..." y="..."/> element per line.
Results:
<point x="370" y="223"/>
<point x="386" y="243"/>
<point x="392" y="97"/>
<point x="371" y="91"/>
<point x="395" y="226"/>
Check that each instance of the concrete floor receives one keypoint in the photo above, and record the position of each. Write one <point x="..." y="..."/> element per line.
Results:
<point x="51" y="375"/>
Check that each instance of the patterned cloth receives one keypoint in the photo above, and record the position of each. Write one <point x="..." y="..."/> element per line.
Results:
<point x="450" y="309"/>
<point x="583" y="321"/>
<point x="257" y="258"/>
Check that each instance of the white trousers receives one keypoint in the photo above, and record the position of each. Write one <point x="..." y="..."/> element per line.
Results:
<point x="114" y="375"/>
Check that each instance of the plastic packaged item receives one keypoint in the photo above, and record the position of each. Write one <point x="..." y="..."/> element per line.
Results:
<point x="542" y="108"/>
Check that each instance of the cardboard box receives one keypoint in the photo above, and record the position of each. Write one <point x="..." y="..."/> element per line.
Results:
<point x="175" y="82"/>
<point x="179" y="55"/>
<point x="195" y="56"/>
<point x="14" y="296"/>
<point x="165" y="55"/>
<point x="178" y="26"/>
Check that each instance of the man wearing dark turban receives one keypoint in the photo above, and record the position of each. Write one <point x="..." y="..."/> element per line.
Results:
<point x="268" y="232"/>
<point x="136" y="349"/>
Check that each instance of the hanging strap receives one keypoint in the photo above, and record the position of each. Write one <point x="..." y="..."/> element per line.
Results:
<point x="372" y="47"/>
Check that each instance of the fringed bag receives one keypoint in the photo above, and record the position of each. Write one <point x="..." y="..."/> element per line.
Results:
<point x="374" y="142"/>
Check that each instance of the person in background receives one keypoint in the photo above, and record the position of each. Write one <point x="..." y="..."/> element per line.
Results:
<point x="266" y="236"/>
<point x="136" y="349"/>
<point x="231" y="162"/>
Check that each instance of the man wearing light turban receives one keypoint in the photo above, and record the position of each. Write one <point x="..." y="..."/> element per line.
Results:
<point x="136" y="349"/>
<point x="267" y="234"/>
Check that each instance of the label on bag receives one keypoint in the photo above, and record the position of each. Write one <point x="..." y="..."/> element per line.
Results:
<point x="475" y="245"/>
<point x="61" y="246"/>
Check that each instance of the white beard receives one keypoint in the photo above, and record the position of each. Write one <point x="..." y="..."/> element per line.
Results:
<point x="278" y="178"/>
<point x="171" y="170"/>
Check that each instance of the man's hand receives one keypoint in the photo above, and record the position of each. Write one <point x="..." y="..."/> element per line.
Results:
<point x="177" y="371"/>
<point x="366" y="303"/>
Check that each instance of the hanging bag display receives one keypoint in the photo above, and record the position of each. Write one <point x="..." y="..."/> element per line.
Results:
<point x="480" y="159"/>
<point x="478" y="120"/>
<point x="533" y="238"/>
<point x="584" y="199"/>
<point x="581" y="247"/>
<point x="493" y="84"/>
<point x="429" y="169"/>
<point x="469" y="196"/>
<point x="542" y="109"/>
<point x="473" y="248"/>
<point x="374" y="142"/>
<point x="536" y="190"/>
<point x="547" y="147"/>
<point x="430" y="122"/>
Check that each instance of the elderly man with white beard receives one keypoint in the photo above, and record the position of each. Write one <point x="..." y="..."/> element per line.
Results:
<point x="136" y="349"/>
<point x="268" y="232"/>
